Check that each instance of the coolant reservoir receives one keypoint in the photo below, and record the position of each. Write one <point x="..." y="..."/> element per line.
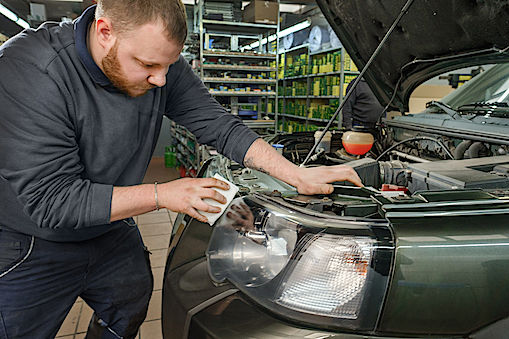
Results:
<point x="358" y="143"/>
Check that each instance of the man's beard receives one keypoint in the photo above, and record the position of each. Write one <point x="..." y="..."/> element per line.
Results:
<point x="113" y="71"/>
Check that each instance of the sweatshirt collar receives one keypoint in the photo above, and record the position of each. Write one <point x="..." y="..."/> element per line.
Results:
<point x="81" y="26"/>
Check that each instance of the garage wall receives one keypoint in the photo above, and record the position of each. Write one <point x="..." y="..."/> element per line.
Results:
<point x="426" y="93"/>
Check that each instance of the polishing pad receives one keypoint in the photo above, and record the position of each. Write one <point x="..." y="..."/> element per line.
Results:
<point x="229" y="195"/>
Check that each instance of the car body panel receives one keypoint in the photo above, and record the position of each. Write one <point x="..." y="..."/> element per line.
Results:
<point x="451" y="274"/>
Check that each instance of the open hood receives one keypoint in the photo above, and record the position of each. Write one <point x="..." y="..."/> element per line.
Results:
<point x="433" y="37"/>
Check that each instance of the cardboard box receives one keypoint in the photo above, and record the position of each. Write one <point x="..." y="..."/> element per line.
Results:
<point x="262" y="12"/>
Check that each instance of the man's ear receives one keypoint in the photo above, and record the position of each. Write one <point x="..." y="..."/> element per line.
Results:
<point x="104" y="31"/>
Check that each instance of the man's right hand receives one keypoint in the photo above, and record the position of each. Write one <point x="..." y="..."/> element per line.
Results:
<point x="186" y="196"/>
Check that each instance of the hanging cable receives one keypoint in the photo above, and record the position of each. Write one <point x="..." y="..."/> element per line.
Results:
<point x="370" y="61"/>
<point x="445" y="148"/>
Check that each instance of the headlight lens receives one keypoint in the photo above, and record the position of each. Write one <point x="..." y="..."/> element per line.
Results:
<point x="310" y="268"/>
<point x="248" y="254"/>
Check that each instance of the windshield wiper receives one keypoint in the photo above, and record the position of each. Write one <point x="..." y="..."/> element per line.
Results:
<point x="445" y="108"/>
<point x="483" y="106"/>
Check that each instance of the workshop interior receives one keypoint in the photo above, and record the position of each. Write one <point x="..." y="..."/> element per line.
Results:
<point x="411" y="94"/>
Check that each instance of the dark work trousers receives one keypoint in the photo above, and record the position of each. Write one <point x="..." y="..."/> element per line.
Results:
<point x="40" y="281"/>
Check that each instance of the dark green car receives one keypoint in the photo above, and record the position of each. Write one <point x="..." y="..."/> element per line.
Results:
<point x="422" y="251"/>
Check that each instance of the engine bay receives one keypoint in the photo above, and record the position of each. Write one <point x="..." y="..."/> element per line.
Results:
<point x="401" y="179"/>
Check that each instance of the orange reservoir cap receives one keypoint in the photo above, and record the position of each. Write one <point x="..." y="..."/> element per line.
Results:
<point x="358" y="143"/>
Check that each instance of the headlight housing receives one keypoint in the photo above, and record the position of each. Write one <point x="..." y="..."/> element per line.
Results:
<point x="318" y="269"/>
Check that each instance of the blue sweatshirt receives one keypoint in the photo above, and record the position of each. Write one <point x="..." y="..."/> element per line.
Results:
<point x="67" y="136"/>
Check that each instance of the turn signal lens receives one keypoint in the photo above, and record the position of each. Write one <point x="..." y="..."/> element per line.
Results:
<point x="329" y="277"/>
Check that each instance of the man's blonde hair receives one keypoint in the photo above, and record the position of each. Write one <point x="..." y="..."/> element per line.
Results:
<point x="127" y="15"/>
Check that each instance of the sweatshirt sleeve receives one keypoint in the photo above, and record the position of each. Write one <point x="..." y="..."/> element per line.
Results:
<point x="191" y="105"/>
<point x="39" y="153"/>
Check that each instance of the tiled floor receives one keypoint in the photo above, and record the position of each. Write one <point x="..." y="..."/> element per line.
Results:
<point x="155" y="228"/>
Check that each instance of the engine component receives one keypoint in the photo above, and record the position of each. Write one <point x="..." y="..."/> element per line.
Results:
<point x="326" y="141"/>
<point x="459" y="152"/>
<point x="357" y="143"/>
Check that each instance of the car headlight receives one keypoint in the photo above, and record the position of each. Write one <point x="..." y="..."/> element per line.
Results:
<point x="317" y="269"/>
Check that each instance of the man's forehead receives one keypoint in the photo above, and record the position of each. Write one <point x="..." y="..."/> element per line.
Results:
<point x="151" y="46"/>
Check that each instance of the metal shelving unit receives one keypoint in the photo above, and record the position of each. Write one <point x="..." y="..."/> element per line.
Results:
<point x="238" y="80"/>
<point x="234" y="73"/>
<point x="226" y="54"/>
<point x="186" y="155"/>
<point x="239" y="68"/>
<point x="243" y="93"/>
<point x="231" y="70"/>
<point x="307" y="78"/>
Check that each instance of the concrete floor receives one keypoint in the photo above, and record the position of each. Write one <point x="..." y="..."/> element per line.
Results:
<point x="155" y="228"/>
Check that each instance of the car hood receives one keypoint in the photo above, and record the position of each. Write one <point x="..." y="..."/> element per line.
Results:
<point x="433" y="37"/>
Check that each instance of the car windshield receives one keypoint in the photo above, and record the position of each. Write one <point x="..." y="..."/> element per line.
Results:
<point x="491" y="86"/>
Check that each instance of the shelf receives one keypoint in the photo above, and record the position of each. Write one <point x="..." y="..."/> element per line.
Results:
<point x="318" y="120"/>
<point x="239" y="80"/>
<point x="296" y="48"/>
<point x="243" y="94"/>
<point x="186" y="146"/>
<point x="325" y="51"/>
<point x="320" y="75"/>
<point x="324" y="74"/>
<point x="185" y="161"/>
<point x="291" y="116"/>
<point x="310" y="97"/>
<point x="259" y="123"/>
<point x="295" y="77"/>
<point x="184" y="133"/>
<point x="324" y="97"/>
<point x="298" y="117"/>
<point x="227" y="54"/>
<point x="218" y="25"/>
<point x="239" y="68"/>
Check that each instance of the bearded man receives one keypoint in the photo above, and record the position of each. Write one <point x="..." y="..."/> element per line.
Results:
<point x="82" y="105"/>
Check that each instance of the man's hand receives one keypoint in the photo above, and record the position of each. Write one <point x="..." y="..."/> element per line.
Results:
<point x="186" y="196"/>
<point x="316" y="180"/>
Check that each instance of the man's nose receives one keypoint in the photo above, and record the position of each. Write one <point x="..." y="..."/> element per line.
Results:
<point x="157" y="79"/>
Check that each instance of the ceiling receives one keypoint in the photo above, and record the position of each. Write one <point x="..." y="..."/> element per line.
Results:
<point x="55" y="10"/>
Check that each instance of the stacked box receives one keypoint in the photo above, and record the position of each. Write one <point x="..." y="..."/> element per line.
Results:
<point x="349" y="65"/>
<point x="297" y="65"/>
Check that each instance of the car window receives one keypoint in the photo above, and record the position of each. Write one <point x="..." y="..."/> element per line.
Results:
<point x="489" y="86"/>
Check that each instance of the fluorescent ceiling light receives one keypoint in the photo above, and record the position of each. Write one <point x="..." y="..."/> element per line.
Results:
<point x="12" y="16"/>
<point x="295" y="28"/>
<point x="8" y="13"/>
<point x="23" y="23"/>
<point x="281" y="34"/>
